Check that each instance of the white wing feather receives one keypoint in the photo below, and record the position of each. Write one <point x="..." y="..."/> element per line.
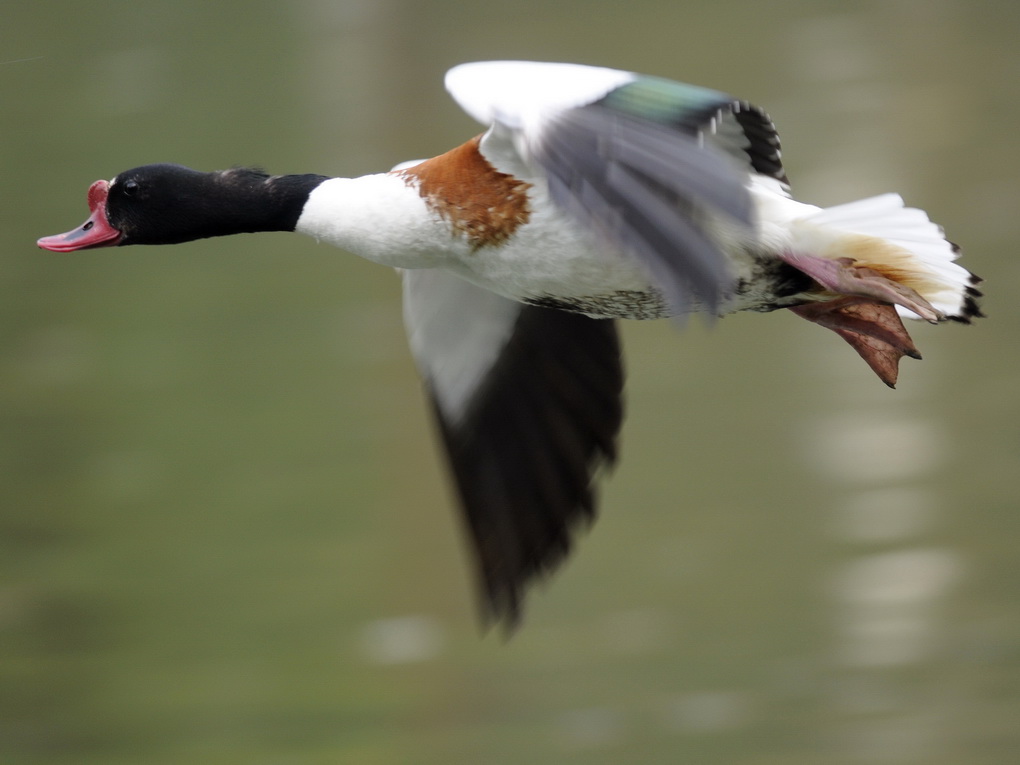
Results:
<point x="521" y="94"/>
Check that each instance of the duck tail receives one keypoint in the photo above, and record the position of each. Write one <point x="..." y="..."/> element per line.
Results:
<point x="902" y="245"/>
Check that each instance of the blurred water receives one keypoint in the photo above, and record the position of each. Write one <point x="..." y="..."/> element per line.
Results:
<point x="225" y="532"/>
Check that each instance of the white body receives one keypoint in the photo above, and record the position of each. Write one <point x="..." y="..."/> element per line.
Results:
<point x="385" y="219"/>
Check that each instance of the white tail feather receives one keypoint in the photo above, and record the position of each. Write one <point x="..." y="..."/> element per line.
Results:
<point x="901" y="242"/>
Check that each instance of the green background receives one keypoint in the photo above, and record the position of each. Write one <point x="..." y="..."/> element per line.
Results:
<point x="225" y="532"/>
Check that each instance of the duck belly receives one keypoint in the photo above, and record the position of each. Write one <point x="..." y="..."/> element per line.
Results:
<point x="562" y="266"/>
<point x="569" y="269"/>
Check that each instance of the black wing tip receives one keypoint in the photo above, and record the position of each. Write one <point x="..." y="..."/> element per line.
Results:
<point x="502" y="593"/>
<point x="507" y="569"/>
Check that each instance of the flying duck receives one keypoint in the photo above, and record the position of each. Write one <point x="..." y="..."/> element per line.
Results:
<point x="593" y="195"/>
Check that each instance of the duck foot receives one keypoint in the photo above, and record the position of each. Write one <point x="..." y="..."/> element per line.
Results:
<point x="873" y="329"/>
<point x="844" y="278"/>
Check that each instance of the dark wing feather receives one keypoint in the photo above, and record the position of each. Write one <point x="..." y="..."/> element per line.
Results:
<point x="746" y="133"/>
<point x="526" y="440"/>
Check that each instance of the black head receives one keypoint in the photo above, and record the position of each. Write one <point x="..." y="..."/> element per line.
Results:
<point x="168" y="204"/>
<point x="161" y="204"/>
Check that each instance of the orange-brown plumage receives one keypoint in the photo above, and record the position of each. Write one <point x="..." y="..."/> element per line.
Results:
<point x="481" y="203"/>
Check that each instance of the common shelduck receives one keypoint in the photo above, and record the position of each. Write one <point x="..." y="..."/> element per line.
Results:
<point x="593" y="195"/>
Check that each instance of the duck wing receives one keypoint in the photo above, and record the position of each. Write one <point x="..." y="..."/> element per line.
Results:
<point x="658" y="167"/>
<point x="528" y="401"/>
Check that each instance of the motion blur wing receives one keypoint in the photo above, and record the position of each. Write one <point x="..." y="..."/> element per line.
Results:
<point x="529" y="404"/>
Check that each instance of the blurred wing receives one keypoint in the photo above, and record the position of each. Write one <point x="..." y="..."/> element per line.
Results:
<point x="529" y="404"/>
<point x="649" y="162"/>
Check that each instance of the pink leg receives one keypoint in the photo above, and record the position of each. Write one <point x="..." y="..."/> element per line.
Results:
<point x="844" y="278"/>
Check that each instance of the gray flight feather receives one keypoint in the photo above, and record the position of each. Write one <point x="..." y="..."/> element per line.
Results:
<point x="650" y="187"/>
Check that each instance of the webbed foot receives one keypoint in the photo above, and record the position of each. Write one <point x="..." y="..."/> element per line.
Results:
<point x="873" y="329"/>
<point x="865" y="315"/>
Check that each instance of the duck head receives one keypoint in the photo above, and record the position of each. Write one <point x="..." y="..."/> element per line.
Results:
<point x="169" y="204"/>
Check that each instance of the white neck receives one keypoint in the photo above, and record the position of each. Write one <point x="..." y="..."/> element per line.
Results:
<point x="378" y="217"/>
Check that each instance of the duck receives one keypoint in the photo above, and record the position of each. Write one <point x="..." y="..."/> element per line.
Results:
<point x="592" y="195"/>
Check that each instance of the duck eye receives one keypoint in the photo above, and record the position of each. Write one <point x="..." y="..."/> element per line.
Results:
<point x="130" y="188"/>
